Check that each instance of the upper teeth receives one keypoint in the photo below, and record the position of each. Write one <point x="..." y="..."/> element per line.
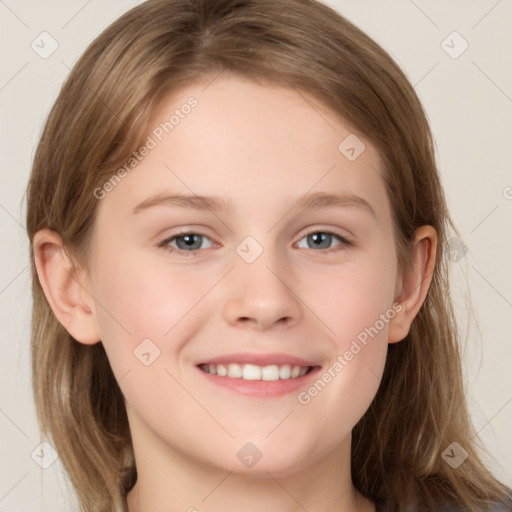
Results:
<point x="254" y="372"/>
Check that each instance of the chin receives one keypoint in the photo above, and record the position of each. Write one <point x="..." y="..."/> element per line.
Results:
<point x="259" y="459"/>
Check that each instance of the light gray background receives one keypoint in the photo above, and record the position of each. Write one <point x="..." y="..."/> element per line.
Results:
<point x="469" y="103"/>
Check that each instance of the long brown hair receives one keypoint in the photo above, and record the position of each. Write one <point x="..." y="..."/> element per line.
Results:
<point x="99" y="119"/>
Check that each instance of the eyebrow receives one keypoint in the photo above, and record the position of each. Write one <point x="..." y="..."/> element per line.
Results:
<point x="315" y="200"/>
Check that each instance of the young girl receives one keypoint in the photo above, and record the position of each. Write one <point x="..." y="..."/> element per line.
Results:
<point x="240" y="272"/>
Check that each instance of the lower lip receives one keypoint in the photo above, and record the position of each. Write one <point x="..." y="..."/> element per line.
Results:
<point x="261" y="388"/>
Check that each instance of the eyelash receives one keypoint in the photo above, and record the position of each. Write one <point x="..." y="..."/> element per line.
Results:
<point x="164" y="244"/>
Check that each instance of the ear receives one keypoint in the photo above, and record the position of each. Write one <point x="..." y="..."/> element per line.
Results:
<point x="64" y="287"/>
<point x="412" y="287"/>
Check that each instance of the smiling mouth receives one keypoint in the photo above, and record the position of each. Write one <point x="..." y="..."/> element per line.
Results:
<point x="271" y="372"/>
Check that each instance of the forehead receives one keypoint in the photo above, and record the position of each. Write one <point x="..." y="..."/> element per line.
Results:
<point x="250" y="143"/>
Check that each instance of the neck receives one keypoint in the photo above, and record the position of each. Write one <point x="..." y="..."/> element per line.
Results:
<point x="169" y="480"/>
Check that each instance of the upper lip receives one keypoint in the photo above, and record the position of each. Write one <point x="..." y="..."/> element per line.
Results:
<point x="258" y="359"/>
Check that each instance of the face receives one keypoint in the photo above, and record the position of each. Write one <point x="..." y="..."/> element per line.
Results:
<point x="286" y="290"/>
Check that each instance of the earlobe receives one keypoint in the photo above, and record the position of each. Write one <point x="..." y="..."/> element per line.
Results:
<point x="412" y="287"/>
<point x="64" y="288"/>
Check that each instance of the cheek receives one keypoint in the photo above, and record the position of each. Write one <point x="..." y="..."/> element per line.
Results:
<point x="358" y="310"/>
<point x="356" y="307"/>
<point x="137" y="301"/>
<point x="355" y="297"/>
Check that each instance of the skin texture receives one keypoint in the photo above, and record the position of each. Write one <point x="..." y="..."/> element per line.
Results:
<point x="262" y="148"/>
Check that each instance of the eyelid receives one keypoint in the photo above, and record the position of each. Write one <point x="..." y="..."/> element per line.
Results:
<point x="328" y="231"/>
<point x="164" y="244"/>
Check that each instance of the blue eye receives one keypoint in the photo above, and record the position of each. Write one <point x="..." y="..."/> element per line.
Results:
<point x="189" y="244"/>
<point x="322" y="238"/>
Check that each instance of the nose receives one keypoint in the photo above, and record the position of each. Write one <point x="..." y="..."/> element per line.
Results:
<point x="262" y="294"/>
